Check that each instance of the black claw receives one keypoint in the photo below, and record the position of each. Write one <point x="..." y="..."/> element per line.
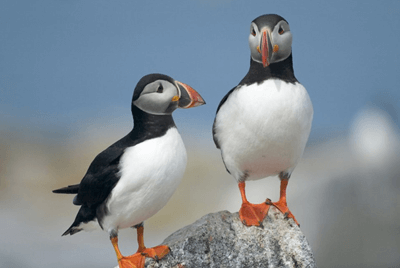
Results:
<point x="143" y="254"/>
<point x="244" y="222"/>
<point x="286" y="215"/>
<point x="156" y="258"/>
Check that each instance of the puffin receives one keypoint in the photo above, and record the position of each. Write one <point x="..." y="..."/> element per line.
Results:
<point x="134" y="178"/>
<point x="262" y="125"/>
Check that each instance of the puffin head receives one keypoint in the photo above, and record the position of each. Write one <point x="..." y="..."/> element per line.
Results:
<point x="159" y="94"/>
<point x="270" y="39"/>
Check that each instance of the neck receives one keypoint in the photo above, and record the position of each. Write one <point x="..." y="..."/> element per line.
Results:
<point x="281" y="70"/>
<point x="149" y="125"/>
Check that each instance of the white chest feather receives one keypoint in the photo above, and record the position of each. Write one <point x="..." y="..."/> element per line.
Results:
<point x="150" y="173"/>
<point x="263" y="129"/>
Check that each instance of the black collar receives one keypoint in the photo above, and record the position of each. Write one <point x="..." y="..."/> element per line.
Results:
<point x="281" y="70"/>
<point x="148" y="126"/>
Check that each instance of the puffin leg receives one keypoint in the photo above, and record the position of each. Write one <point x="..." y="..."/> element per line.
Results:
<point x="133" y="261"/>
<point x="156" y="253"/>
<point x="251" y="214"/>
<point x="281" y="204"/>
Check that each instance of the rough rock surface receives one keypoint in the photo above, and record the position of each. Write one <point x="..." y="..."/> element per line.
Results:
<point x="221" y="240"/>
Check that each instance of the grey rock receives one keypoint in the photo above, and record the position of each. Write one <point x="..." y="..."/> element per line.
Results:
<point x="221" y="240"/>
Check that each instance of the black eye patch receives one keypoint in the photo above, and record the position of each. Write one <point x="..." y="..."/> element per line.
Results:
<point x="160" y="89"/>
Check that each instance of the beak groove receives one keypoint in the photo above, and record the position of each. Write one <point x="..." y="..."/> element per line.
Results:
<point x="189" y="97"/>
<point x="266" y="48"/>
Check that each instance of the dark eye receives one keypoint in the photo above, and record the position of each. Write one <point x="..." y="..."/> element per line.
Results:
<point x="160" y="89"/>
<point x="281" y="31"/>
<point x="253" y="32"/>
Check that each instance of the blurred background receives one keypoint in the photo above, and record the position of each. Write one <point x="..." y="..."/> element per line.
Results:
<point x="67" y="73"/>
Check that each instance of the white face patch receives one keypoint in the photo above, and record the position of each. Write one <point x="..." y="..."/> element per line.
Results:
<point x="282" y="38"/>
<point x="157" y="98"/>
<point x="281" y="41"/>
<point x="254" y="42"/>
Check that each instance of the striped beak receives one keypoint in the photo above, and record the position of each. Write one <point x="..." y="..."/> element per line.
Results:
<point x="189" y="97"/>
<point x="266" y="48"/>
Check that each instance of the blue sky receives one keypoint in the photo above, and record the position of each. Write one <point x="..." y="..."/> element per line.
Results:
<point x="66" y="64"/>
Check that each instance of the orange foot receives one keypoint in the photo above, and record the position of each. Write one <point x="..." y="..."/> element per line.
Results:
<point x="137" y="260"/>
<point x="134" y="261"/>
<point x="253" y="214"/>
<point x="282" y="206"/>
<point x="157" y="252"/>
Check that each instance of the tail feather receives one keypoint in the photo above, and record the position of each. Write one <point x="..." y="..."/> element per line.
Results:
<point x="85" y="215"/>
<point x="71" y="189"/>
<point x="72" y="230"/>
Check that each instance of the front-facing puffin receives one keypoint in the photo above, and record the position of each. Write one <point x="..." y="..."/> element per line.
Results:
<point x="134" y="178"/>
<point x="262" y="125"/>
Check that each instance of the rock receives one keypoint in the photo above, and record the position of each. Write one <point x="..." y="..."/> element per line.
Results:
<point x="221" y="240"/>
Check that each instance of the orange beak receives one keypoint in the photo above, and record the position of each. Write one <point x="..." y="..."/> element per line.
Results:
<point x="266" y="48"/>
<point x="189" y="97"/>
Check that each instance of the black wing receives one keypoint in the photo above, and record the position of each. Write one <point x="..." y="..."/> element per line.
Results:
<point x="101" y="177"/>
<point x="219" y="106"/>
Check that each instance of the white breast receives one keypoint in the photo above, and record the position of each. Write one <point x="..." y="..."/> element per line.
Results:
<point x="263" y="129"/>
<point x="150" y="173"/>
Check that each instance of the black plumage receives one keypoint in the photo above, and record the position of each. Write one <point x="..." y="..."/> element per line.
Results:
<point x="103" y="173"/>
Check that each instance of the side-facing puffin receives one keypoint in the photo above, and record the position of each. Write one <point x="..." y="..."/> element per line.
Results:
<point x="262" y="125"/>
<point x="134" y="178"/>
